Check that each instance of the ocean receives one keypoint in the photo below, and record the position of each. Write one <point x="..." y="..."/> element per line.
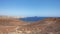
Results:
<point x="32" y="19"/>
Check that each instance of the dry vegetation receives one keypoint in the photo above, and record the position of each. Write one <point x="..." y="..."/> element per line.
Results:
<point x="15" y="26"/>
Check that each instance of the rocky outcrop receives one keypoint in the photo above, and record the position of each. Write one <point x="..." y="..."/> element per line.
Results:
<point x="11" y="22"/>
<point x="52" y="26"/>
<point x="45" y="26"/>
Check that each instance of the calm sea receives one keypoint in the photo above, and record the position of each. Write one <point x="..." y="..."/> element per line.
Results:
<point x="32" y="19"/>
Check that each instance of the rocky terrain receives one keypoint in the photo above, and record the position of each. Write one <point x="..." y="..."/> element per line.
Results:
<point x="14" y="26"/>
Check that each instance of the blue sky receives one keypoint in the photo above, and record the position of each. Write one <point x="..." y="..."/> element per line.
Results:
<point x="50" y="8"/>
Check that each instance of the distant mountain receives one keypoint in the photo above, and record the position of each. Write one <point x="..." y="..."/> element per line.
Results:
<point x="32" y="19"/>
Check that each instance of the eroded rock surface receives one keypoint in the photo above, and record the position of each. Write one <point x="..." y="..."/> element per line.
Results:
<point x="45" y="26"/>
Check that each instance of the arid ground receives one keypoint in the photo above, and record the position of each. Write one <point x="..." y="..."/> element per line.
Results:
<point x="9" y="25"/>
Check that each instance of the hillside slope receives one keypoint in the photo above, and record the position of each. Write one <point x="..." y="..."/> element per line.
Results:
<point x="11" y="21"/>
<point x="45" y="26"/>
